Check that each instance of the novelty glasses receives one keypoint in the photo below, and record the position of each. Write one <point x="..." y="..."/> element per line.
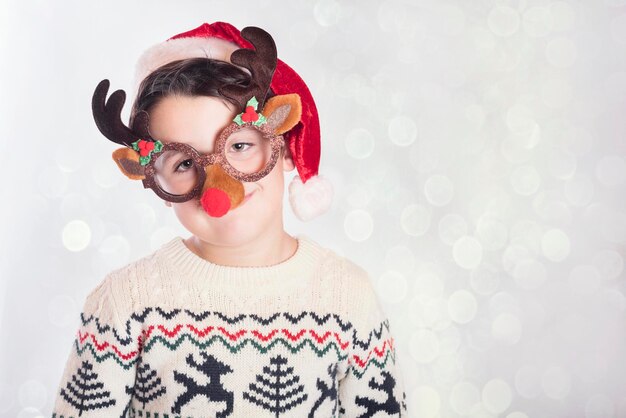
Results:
<point x="176" y="171"/>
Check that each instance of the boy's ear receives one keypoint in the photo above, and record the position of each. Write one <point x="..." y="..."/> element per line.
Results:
<point x="288" y="164"/>
<point x="283" y="112"/>
<point x="127" y="160"/>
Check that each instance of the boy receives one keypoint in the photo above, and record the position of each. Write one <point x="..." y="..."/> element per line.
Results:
<point x="240" y="319"/>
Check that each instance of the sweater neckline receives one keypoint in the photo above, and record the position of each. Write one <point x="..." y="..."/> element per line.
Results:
<point x="188" y="264"/>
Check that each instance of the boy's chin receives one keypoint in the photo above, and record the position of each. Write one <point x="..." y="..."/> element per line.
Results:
<point x="235" y="222"/>
<point x="230" y="234"/>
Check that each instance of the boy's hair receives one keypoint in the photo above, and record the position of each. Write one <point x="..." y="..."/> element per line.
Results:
<point x="189" y="77"/>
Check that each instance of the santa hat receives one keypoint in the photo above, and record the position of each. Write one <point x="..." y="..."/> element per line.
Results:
<point x="309" y="193"/>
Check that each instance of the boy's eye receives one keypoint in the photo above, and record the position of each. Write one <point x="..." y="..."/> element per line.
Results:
<point x="239" y="146"/>
<point x="185" y="165"/>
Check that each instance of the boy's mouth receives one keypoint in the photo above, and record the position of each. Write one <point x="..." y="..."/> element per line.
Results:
<point x="247" y="197"/>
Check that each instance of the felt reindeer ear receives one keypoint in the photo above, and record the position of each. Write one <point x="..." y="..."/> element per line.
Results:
<point x="283" y="112"/>
<point x="127" y="161"/>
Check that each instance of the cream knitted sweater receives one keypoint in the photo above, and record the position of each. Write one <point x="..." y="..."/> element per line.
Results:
<point x="174" y="335"/>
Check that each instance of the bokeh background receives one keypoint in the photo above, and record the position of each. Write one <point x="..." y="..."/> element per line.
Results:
<point x="477" y="149"/>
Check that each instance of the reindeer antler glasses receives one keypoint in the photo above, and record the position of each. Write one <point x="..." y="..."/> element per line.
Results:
<point x="177" y="172"/>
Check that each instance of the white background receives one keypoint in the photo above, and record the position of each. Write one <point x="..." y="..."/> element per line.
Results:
<point x="477" y="153"/>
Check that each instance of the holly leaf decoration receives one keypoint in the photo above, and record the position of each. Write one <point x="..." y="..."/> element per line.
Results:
<point x="260" y="121"/>
<point x="253" y="102"/>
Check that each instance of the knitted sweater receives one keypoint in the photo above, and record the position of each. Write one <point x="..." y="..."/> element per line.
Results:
<point x="174" y="335"/>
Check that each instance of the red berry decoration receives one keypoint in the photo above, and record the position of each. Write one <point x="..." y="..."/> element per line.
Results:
<point x="250" y="115"/>
<point x="146" y="148"/>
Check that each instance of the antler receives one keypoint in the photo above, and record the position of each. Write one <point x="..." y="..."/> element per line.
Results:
<point x="261" y="62"/>
<point x="107" y="116"/>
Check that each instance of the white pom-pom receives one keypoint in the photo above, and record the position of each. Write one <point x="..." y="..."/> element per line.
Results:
<point x="310" y="199"/>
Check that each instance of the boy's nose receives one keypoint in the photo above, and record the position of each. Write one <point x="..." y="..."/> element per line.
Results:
<point x="220" y="192"/>
<point x="215" y="202"/>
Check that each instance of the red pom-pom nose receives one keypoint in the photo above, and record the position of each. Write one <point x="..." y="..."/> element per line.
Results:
<point x="215" y="202"/>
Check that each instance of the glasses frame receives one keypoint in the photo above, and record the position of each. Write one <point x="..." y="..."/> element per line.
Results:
<point x="201" y="161"/>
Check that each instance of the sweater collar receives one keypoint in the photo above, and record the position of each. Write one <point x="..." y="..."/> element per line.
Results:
<point x="187" y="264"/>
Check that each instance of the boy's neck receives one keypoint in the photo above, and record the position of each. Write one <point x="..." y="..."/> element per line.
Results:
<point x="268" y="250"/>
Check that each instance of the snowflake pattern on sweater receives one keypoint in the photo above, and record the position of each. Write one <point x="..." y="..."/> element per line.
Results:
<point x="173" y="335"/>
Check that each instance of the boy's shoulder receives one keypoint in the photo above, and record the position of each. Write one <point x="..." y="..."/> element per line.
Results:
<point x="347" y="278"/>
<point x="345" y="268"/>
<point x="121" y="283"/>
<point x="141" y="267"/>
<point x="331" y="259"/>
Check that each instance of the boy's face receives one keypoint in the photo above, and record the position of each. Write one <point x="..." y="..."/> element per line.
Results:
<point x="198" y="121"/>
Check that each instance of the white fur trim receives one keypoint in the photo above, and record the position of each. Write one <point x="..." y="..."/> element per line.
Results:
<point x="311" y="199"/>
<point x="177" y="49"/>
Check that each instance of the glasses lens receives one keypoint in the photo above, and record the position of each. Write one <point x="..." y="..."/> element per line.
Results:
<point x="248" y="150"/>
<point x="176" y="172"/>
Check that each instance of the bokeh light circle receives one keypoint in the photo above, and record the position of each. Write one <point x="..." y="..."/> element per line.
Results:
<point x="561" y="52"/>
<point x="525" y="180"/>
<point x="485" y="279"/>
<point x="618" y="28"/>
<point x="392" y="287"/>
<point x="467" y="252"/>
<point x="76" y="235"/>
<point x="497" y="396"/>
<point x="30" y="412"/>
<point x="528" y="381"/>
<point x="360" y="143"/>
<point x="563" y="15"/>
<point x="503" y="20"/>
<point x="611" y="171"/>
<point x="32" y="393"/>
<point x="358" y="225"/>
<point x="439" y="190"/>
<point x="556" y="382"/>
<point x="579" y="190"/>
<point x="62" y="310"/>
<point x="52" y="181"/>
<point x="584" y="279"/>
<point x="507" y="328"/>
<point x="429" y="283"/>
<point x="517" y="414"/>
<point x="402" y="131"/>
<point x="530" y="274"/>
<point x="555" y="245"/>
<point x="415" y="219"/>
<point x="452" y="227"/>
<point x="327" y="12"/>
<point x="491" y="233"/>
<point x="425" y="402"/>
<point x="463" y="396"/>
<point x="401" y="258"/>
<point x="537" y="21"/>
<point x="424" y="346"/>
<point x="599" y="406"/>
<point x="462" y="306"/>
<point x="610" y="263"/>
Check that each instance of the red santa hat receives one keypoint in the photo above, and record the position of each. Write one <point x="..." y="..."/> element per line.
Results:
<point x="309" y="193"/>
